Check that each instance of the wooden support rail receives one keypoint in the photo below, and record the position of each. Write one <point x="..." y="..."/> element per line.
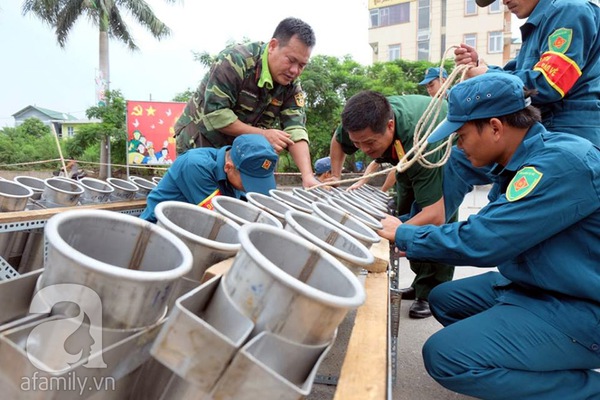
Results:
<point x="364" y="374"/>
<point x="44" y="214"/>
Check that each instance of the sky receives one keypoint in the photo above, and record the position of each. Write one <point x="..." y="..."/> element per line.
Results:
<point x="34" y="70"/>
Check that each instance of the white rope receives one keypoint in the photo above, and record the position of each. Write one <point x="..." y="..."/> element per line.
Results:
<point x="29" y="163"/>
<point x="423" y="130"/>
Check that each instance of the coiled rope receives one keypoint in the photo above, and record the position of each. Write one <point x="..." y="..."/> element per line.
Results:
<point x="423" y="129"/>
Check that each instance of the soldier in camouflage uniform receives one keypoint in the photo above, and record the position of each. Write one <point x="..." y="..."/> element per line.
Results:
<point x="253" y="88"/>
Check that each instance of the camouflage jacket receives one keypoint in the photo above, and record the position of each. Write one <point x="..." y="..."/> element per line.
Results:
<point x="239" y="86"/>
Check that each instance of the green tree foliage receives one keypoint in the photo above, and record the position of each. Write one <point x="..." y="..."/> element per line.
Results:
<point x="112" y="124"/>
<point x="33" y="128"/>
<point x="328" y="82"/>
<point x="184" y="96"/>
<point x="31" y="141"/>
<point x="86" y="144"/>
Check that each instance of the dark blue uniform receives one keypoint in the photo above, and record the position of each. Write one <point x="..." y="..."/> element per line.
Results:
<point x="560" y="58"/>
<point x="195" y="177"/>
<point x="531" y="331"/>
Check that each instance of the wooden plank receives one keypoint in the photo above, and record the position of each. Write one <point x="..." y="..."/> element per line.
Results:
<point x="364" y="371"/>
<point x="32" y="215"/>
<point x="381" y="252"/>
<point x="217" y="269"/>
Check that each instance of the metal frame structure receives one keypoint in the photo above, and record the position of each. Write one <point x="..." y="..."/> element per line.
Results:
<point x="33" y="221"/>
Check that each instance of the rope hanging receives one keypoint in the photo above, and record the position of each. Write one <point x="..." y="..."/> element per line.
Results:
<point x="423" y="130"/>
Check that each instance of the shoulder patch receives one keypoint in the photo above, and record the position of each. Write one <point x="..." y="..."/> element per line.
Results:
<point x="560" y="40"/>
<point x="299" y="97"/>
<point x="523" y="183"/>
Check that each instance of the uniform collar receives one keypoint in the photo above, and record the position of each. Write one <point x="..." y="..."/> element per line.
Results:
<point x="523" y="151"/>
<point x="265" y="75"/>
<point x="534" y="19"/>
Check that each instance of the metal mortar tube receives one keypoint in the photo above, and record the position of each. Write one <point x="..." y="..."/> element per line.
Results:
<point x="131" y="264"/>
<point x="289" y="286"/>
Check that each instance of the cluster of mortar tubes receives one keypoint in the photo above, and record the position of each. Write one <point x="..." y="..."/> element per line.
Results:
<point x="27" y="192"/>
<point x="96" y="306"/>
<point x="293" y="279"/>
<point x="24" y="250"/>
<point x="261" y="330"/>
<point x="284" y="295"/>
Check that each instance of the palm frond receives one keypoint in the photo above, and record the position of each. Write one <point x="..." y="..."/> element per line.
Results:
<point x="143" y="14"/>
<point x="119" y="30"/>
<point x="70" y="11"/>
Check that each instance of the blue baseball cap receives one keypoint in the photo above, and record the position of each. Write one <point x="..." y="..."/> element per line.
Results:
<point x="254" y="157"/>
<point x="431" y="74"/>
<point x="322" y="165"/>
<point x="489" y="95"/>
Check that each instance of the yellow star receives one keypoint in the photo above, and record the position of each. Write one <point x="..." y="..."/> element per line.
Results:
<point x="150" y="111"/>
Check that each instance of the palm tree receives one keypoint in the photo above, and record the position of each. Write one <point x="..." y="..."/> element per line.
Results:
<point x="61" y="15"/>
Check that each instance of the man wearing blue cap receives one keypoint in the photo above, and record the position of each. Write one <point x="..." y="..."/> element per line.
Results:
<point x="323" y="169"/>
<point x="198" y="175"/>
<point x="531" y="330"/>
<point x="434" y="79"/>
<point x="560" y="57"/>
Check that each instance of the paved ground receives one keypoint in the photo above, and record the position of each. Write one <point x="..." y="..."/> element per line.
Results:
<point x="412" y="381"/>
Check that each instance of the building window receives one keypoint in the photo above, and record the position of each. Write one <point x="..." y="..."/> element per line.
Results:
<point x="495" y="7"/>
<point x="495" y="42"/>
<point x="470" y="7"/>
<point x="375" y="18"/>
<point x="423" y="50"/>
<point x="423" y="30"/>
<point x="70" y="131"/>
<point x="393" y="52"/>
<point x="385" y="16"/>
<point x="423" y="20"/>
<point x="470" y="39"/>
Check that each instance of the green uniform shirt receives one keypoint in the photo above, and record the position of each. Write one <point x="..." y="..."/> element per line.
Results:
<point x="417" y="183"/>
<point x="239" y="86"/>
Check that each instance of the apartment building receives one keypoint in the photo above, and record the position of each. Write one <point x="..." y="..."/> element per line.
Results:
<point x="425" y="29"/>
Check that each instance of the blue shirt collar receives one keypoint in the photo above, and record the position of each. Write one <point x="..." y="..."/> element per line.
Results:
<point x="522" y="152"/>
<point x="534" y="19"/>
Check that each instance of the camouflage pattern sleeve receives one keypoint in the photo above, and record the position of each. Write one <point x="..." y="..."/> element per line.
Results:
<point x="222" y="87"/>
<point x="293" y="115"/>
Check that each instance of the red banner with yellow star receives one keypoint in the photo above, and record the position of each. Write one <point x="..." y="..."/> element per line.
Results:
<point x="150" y="131"/>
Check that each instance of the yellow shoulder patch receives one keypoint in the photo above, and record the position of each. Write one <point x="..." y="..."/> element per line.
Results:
<point x="299" y="97"/>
